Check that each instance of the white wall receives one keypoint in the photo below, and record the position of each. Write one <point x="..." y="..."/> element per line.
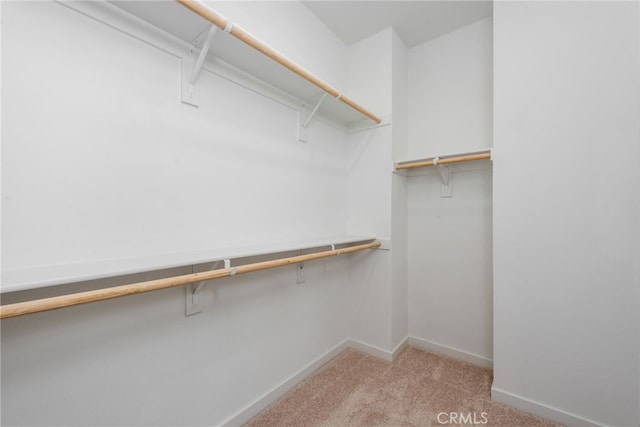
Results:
<point x="399" y="213"/>
<point x="369" y="195"/>
<point x="369" y="192"/>
<point x="370" y="70"/>
<point x="450" y="244"/>
<point x="101" y="160"/>
<point x="566" y="209"/>
<point x="377" y="199"/>
<point x="450" y="259"/>
<point x="451" y="81"/>
<point x="140" y="361"/>
<point x="400" y="99"/>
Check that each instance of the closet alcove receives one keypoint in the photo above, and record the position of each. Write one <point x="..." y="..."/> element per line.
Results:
<point x="375" y="178"/>
<point x="168" y="146"/>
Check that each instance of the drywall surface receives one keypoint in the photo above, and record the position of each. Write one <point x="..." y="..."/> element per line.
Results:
<point x="566" y="209"/>
<point x="369" y="183"/>
<point x="450" y="238"/>
<point x="400" y="99"/>
<point x="369" y="72"/>
<point x="369" y="153"/>
<point x="450" y="276"/>
<point x="399" y="214"/>
<point x="450" y="97"/>
<point x="399" y="260"/>
<point x="376" y="199"/>
<point x="140" y="361"/>
<point x="369" y="202"/>
<point x="101" y="160"/>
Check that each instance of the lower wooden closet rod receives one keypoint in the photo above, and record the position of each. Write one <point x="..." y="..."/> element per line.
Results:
<point x="46" y="304"/>
<point x="423" y="163"/>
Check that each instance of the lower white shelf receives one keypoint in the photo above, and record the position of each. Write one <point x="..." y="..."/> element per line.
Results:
<point x="39" y="277"/>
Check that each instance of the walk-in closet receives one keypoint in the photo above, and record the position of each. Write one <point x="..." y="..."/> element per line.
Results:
<point x="320" y="213"/>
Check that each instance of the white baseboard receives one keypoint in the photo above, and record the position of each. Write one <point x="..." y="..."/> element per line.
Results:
<point x="463" y="356"/>
<point x="372" y="350"/>
<point x="244" y="415"/>
<point x="403" y="344"/>
<point x="539" y="409"/>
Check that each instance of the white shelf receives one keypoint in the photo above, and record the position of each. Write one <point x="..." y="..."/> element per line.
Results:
<point x="39" y="277"/>
<point x="239" y="55"/>
<point x="179" y="21"/>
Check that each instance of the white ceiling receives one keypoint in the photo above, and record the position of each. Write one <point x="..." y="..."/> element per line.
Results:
<point x="415" y="21"/>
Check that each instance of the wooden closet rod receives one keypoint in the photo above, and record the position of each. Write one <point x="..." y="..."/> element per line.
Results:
<point x="46" y="304"/>
<point x="235" y="30"/>
<point x="423" y="163"/>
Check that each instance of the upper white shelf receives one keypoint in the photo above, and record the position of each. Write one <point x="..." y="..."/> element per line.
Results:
<point x="234" y="45"/>
<point x="39" y="277"/>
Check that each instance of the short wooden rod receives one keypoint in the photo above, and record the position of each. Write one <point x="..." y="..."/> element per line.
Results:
<point x="46" y="304"/>
<point x="243" y="35"/>
<point x="424" y="163"/>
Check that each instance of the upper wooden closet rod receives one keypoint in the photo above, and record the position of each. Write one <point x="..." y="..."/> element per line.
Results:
<point x="235" y="30"/>
<point x="46" y="304"/>
<point x="439" y="161"/>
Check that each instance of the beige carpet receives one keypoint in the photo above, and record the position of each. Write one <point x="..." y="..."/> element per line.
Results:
<point x="418" y="389"/>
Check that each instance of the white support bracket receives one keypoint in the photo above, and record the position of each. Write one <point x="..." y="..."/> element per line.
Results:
<point x="445" y="180"/>
<point x="193" y="301"/>
<point x="227" y="265"/>
<point x="304" y="120"/>
<point x="191" y="67"/>
<point x="192" y="297"/>
<point x="300" y="271"/>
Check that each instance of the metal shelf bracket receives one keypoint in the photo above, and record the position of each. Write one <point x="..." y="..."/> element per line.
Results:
<point x="191" y="67"/>
<point x="445" y="180"/>
<point x="304" y="120"/>
<point x="193" y="301"/>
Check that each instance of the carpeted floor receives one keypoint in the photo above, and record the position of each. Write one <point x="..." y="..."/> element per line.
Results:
<point x="418" y="389"/>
